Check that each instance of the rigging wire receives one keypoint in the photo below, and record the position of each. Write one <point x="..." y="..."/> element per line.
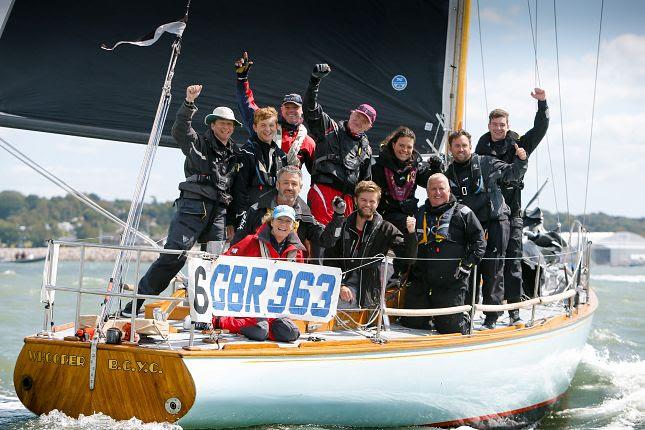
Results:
<point x="481" y="53"/>
<point x="593" y="112"/>
<point x="564" y="157"/>
<point x="536" y="80"/>
<point x="65" y="186"/>
<point x="548" y="143"/>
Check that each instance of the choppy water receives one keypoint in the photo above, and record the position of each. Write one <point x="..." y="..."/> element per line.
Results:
<point x="608" y="390"/>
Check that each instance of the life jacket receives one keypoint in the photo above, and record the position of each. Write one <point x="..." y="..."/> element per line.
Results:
<point x="265" y="253"/>
<point x="438" y="229"/>
<point x="338" y="163"/>
<point x="264" y="176"/>
<point x="218" y="167"/>
<point x="292" y="154"/>
<point x="400" y="193"/>
<point x="476" y="186"/>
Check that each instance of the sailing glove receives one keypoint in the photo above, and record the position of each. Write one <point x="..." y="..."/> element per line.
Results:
<point x="321" y="70"/>
<point x="436" y="164"/>
<point x="339" y="205"/>
<point x="462" y="272"/>
<point x="242" y="69"/>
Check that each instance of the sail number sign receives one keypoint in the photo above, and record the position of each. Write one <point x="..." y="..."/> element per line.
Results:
<point x="253" y="287"/>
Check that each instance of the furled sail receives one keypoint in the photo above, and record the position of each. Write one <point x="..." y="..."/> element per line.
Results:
<point x="54" y="77"/>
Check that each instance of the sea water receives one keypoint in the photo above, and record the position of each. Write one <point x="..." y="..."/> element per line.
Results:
<point x="607" y="392"/>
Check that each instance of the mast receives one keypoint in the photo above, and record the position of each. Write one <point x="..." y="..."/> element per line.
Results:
<point x="454" y="83"/>
<point x="134" y="216"/>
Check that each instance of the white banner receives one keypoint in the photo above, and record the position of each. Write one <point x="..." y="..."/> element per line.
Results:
<point x="255" y="287"/>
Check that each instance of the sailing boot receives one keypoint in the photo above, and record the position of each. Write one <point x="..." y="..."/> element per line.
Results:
<point x="514" y="317"/>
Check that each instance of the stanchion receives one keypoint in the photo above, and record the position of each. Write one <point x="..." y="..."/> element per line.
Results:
<point x="472" y="303"/>
<point x="535" y="291"/>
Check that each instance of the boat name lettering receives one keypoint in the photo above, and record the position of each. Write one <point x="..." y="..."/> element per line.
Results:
<point x="134" y="366"/>
<point x="56" y="358"/>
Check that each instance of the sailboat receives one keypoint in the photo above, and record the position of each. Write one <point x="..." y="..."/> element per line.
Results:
<point x="357" y="368"/>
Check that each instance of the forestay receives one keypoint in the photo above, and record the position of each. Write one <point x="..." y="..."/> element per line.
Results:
<point x="250" y="287"/>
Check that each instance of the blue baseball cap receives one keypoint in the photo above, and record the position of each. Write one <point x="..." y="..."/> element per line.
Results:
<point x="292" y="98"/>
<point x="284" y="210"/>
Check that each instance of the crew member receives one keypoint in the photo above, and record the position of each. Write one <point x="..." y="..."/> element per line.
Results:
<point x="398" y="170"/>
<point x="500" y="142"/>
<point x="291" y="134"/>
<point x="343" y="154"/>
<point x="261" y="159"/>
<point x="366" y="234"/>
<point x="287" y="193"/>
<point x="451" y="243"/>
<point x="475" y="181"/>
<point x="276" y="239"/>
<point x="211" y="166"/>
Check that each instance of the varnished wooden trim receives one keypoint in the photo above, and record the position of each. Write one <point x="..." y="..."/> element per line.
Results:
<point x="130" y="382"/>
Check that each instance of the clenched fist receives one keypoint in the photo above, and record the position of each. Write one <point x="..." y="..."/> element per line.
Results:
<point x="410" y="224"/>
<point x="538" y="94"/>
<point x="321" y="70"/>
<point x="192" y="92"/>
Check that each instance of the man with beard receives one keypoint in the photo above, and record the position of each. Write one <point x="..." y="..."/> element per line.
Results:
<point x="343" y="155"/>
<point x="291" y="134"/>
<point x="476" y="181"/>
<point x="211" y="165"/>
<point x="287" y="193"/>
<point x="366" y="234"/>
<point x="261" y="159"/>
<point x="451" y="243"/>
<point x="499" y="142"/>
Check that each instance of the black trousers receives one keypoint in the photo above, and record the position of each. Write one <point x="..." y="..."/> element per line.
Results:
<point x="491" y="269"/>
<point x="446" y="293"/>
<point x="194" y="221"/>
<point x="513" y="268"/>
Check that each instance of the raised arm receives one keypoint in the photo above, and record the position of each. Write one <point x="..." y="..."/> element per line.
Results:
<point x="316" y="120"/>
<point x="245" y="99"/>
<point x="404" y="244"/>
<point x="182" y="130"/>
<point x="534" y="136"/>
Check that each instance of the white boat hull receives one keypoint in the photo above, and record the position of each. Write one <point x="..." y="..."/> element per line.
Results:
<point x="446" y="385"/>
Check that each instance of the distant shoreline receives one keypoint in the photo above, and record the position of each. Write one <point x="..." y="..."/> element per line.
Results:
<point x="72" y="254"/>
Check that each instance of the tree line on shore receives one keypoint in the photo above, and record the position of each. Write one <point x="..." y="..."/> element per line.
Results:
<point x="29" y="221"/>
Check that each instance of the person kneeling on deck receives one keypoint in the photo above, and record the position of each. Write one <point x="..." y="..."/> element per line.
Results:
<point x="275" y="239"/>
<point x="451" y="243"/>
<point x="211" y="167"/>
<point x="365" y="235"/>
<point x="287" y="193"/>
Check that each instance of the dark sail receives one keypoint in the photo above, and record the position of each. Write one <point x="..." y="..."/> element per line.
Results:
<point x="54" y="76"/>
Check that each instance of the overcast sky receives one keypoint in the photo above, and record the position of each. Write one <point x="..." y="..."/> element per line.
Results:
<point x="618" y="146"/>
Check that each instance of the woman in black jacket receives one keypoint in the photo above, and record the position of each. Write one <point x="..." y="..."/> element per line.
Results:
<point x="399" y="169"/>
